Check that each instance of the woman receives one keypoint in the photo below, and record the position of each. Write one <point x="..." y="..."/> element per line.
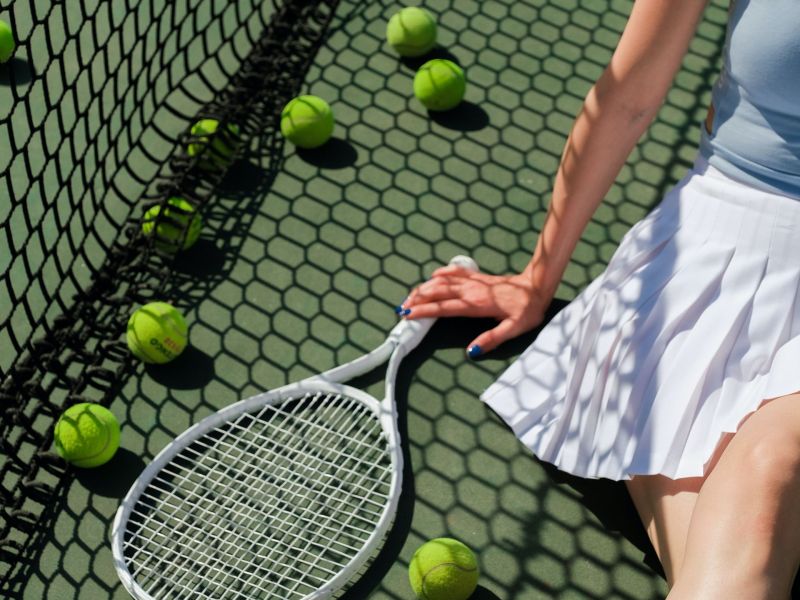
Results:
<point x="678" y="369"/>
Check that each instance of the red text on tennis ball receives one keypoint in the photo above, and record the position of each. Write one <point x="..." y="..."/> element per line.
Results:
<point x="157" y="333"/>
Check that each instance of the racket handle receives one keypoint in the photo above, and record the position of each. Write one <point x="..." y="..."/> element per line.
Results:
<point x="409" y="333"/>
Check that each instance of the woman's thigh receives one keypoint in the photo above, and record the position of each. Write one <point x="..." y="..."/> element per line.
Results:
<point x="665" y="508"/>
<point x="747" y="516"/>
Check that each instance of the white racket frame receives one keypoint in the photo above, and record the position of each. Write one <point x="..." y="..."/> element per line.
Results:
<point x="403" y="338"/>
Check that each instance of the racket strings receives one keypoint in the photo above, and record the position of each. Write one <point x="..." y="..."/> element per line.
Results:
<point x="245" y="540"/>
<point x="365" y="531"/>
<point x="309" y="485"/>
<point x="197" y="450"/>
<point x="272" y="505"/>
<point x="306" y="483"/>
<point x="315" y="549"/>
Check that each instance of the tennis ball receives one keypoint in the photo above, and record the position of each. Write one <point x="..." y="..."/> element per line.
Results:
<point x="7" y="45"/>
<point x="221" y="151"/>
<point x="411" y="31"/>
<point x="157" y="333"/>
<point x="307" y="121"/>
<point x="180" y="222"/>
<point x="439" y="84"/>
<point x="443" y="569"/>
<point x="87" y="435"/>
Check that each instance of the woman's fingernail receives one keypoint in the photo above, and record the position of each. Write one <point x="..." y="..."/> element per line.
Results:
<point x="474" y="351"/>
<point x="399" y="308"/>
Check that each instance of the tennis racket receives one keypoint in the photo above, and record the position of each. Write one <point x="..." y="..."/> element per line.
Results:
<point x="282" y="496"/>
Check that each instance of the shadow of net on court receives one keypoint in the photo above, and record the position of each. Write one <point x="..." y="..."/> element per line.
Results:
<point x="476" y="180"/>
<point x="303" y="256"/>
<point x="95" y="111"/>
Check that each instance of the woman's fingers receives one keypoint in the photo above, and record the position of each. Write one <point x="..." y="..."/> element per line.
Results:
<point x="452" y="270"/>
<point x="453" y="307"/>
<point x="450" y="284"/>
<point x="431" y="291"/>
<point x="489" y="340"/>
<point x="454" y="291"/>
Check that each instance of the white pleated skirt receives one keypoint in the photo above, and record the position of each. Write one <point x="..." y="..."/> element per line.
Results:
<point x="694" y="323"/>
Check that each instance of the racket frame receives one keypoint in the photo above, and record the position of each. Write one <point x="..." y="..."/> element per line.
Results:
<point x="405" y="336"/>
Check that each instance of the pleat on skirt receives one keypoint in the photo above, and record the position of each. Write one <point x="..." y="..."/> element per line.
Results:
<point x="694" y="323"/>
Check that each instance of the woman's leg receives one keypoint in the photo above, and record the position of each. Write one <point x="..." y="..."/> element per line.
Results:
<point x="665" y="508"/>
<point x="744" y="534"/>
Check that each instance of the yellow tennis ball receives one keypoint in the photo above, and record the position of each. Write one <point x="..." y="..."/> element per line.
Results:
<point x="157" y="333"/>
<point x="218" y="154"/>
<point x="443" y="569"/>
<point x="440" y="84"/>
<point x="180" y="222"/>
<point x="307" y="121"/>
<point x="7" y="44"/>
<point x="411" y="31"/>
<point x="87" y="435"/>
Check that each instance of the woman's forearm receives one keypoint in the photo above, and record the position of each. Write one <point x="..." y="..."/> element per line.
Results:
<point x="602" y="137"/>
<point x="616" y="112"/>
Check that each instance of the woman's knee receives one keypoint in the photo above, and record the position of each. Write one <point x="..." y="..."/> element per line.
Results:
<point x="771" y="461"/>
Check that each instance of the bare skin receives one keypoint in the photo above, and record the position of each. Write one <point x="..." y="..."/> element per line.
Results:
<point x="715" y="537"/>
<point x="615" y="114"/>
<point x="735" y="534"/>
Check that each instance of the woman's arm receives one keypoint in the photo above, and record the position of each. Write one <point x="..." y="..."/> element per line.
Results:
<point x="618" y="109"/>
<point x="616" y="112"/>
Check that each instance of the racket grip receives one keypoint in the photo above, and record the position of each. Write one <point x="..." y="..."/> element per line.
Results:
<point x="409" y="333"/>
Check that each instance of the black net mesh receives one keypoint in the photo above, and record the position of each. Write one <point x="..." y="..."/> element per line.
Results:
<point x="95" y="111"/>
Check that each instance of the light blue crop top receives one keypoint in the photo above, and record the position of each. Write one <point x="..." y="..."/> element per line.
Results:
<point x="755" y="132"/>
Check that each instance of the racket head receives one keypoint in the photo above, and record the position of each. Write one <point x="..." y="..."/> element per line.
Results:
<point x="230" y="509"/>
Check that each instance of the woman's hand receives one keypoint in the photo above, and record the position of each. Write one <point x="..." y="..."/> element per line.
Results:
<point x="454" y="291"/>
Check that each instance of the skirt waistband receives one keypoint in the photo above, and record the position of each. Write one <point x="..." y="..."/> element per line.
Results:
<point x="719" y="209"/>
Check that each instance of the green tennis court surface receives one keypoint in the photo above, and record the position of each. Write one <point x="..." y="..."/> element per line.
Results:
<point x="303" y="257"/>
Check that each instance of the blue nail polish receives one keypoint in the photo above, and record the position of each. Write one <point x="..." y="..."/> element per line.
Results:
<point x="406" y="312"/>
<point x="399" y="308"/>
<point x="474" y="351"/>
